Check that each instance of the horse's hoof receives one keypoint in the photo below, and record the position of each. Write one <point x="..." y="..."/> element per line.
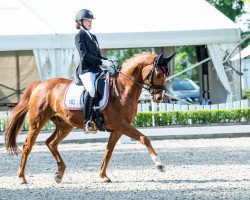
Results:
<point x="58" y="179"/>
<point x="161" y="168"/>
<point x="106" y="180"/>
<point x="22" y="181"/>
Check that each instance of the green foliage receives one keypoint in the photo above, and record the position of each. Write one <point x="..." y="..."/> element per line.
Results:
<point x="230" y="8"/>
<point x="163" y="118"/>
<point x="246" y="94"/>
<point x="143" y="119"/>
<point x="247" y="42"/>
<point x="186" y="57"/>
<point x="124" y="54"/>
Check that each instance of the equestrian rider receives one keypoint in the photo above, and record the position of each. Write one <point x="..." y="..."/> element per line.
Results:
<point x="90" y="61"/>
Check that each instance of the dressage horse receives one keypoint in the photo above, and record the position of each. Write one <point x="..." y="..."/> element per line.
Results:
<point x="44" y="101"/>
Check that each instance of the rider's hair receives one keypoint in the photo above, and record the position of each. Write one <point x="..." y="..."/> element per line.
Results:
<point x="78" y="24"/>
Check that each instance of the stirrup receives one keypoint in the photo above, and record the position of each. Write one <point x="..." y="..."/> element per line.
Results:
<point x="90" y="127"/>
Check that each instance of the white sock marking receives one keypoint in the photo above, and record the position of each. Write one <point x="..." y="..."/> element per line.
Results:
<point x="156" y="160"/>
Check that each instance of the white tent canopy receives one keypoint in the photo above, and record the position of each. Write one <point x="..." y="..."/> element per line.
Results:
<point x="47" y="28"/>
<point x="29" y="24"/>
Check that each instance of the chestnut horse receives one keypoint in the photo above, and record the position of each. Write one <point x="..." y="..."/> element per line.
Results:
<point x="44" y="101"/>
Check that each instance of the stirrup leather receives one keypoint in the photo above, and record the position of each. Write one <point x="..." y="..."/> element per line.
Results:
<point x="90" y="127"/>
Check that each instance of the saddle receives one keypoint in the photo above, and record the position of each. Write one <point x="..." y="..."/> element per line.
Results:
<point x="97" y="117"/>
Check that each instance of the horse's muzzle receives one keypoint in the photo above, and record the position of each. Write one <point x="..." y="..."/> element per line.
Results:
<point x="158" y="98"/>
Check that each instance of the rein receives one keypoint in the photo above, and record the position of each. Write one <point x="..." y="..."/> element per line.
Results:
<point x="144" y="86"/>
<point x="133" y="81"/>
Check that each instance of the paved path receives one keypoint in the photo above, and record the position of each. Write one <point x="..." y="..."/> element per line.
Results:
<point x="196" y="169"/>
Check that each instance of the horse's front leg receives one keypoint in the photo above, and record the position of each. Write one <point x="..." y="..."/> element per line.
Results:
<point x="132" y="132"/>
<point x="113" y="138"/>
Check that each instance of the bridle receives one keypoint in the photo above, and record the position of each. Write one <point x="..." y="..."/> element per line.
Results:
<point x="150" y="88"/>
<point x="153" y="86"/>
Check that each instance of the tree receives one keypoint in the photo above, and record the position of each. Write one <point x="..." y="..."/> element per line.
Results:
<point x="230" y="8"/>
<point x="123" y="54"/>
<point x="186" y="57"/>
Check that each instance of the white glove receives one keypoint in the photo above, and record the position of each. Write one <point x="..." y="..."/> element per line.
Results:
<point x="107" y="63"/>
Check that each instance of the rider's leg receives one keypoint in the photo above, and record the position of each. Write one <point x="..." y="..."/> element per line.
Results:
<point x="88" y="105"/>
<point x="88" y="80"/>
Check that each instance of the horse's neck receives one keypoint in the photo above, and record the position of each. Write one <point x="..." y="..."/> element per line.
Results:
<point x="128" y="89"/>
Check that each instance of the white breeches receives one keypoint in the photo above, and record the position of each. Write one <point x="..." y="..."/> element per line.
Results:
<point x="88" y="80"/>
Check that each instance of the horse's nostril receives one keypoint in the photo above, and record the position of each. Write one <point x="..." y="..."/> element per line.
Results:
<point x="158" y="98"/>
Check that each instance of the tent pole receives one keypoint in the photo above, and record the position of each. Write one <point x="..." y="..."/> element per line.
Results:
<point x="189" y="68"/>
<point x="229" y="55"/>
<point x="17" y="75"/>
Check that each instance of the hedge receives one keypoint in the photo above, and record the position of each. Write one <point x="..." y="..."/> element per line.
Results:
<point x="145" y="119"/>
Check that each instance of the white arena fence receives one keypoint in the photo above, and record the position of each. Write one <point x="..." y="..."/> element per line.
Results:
<point x="151" y="106"/>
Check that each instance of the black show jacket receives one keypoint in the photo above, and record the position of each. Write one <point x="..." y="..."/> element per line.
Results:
<point x="90" y="55"/>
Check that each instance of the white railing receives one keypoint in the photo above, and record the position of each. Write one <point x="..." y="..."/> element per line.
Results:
<point x="151" y="106"/>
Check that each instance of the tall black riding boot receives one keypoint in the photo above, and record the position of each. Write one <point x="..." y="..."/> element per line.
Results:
<point x="88" y="105"/>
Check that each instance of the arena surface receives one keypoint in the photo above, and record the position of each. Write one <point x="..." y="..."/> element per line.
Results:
<point x="195" y="169"/>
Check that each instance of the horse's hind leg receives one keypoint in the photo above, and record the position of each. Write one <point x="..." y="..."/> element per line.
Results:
<point x="113" y="138"/>
<point x="62" y="130"/>
<point x="35" y="125"/>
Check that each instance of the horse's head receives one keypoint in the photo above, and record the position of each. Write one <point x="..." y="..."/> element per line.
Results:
<point x="154" y="76"/>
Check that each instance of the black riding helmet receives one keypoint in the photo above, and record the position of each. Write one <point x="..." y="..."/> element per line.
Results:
<point x="84" y="14"/>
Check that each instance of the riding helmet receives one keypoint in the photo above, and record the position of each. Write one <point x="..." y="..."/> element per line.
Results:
<point x="84" y="14"/>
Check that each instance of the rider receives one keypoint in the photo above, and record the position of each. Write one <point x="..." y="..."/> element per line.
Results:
<point x="90" y="61"/>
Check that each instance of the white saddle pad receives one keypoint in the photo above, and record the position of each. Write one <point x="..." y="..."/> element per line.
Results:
<point x="72" y="99"/>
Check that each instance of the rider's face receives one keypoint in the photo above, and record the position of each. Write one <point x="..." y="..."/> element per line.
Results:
<point x="87" y="23"/>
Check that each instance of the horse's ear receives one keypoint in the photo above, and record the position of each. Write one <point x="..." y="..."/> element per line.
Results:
<point x="159" y="60"/>
<point x="167" y="60"/>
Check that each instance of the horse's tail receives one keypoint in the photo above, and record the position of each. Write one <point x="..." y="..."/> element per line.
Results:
<point x="17" y="118"/>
